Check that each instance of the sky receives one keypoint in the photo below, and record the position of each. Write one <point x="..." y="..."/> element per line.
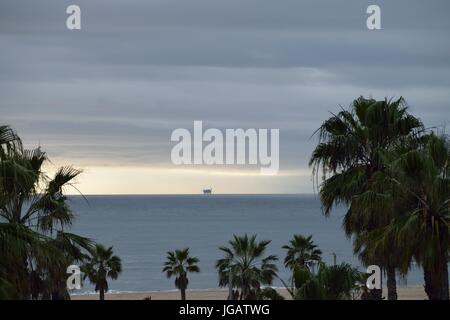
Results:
<point x="106" y="98"/>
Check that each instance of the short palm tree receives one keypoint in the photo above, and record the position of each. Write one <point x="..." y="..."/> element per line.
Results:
<point x="335" y="282"/>
<point x="301" y="251"/>
<point x="179" y="263"/>
<point x="102" y="265"/>
<point x="246" y="267"/>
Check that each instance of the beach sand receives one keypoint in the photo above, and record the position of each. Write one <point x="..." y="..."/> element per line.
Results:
<point x="404" y="293"/>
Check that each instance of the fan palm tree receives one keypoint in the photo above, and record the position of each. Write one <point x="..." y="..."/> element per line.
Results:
<point x="350" y="154"/>
<point x="179" y="263"/>
<point x="245" y="266"/>
<point x="335" y="282"/>
<point x="301" y="252"/>
<point x="102" y="265"/>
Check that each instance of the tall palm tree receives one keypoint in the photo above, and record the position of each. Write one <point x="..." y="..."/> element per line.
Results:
<point x="420" y="181"/>
<point x="301" y="251"/>
<point x="350" y="154"/>
<point x="179" y="263"/>
<point x="8" y="141"/>
<point x="245" y="266"/>
<point x="102" y="265"/>
<point x="34" y="217"/>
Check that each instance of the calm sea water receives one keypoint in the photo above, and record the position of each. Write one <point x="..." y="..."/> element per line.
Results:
<point x="143" y="228"/>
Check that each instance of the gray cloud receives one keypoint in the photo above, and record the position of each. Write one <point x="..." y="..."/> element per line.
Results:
<point x="114" y="91"/>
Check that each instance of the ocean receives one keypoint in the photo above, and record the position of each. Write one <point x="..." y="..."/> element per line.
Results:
<point x="143" y="228"/>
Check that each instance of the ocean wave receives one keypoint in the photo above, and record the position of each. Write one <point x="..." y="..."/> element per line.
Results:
<point x="90" y="292"/>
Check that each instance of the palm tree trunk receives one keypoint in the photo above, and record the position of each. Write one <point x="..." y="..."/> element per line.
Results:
<point x="444" y="278"/>
<point x="102" y="294"/>
<point x="442" y="286"/>
<point x="391" y="283"/>
<point x="428" y="284"/>
<point x="183" y="294"/>
<point x="436" y="279"/>
<point x="230" y="286"/>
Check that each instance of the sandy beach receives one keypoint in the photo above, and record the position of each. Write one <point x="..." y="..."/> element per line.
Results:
<point x="404" y="293"/>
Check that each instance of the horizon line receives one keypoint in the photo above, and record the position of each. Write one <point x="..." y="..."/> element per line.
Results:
<point x="186" y="194"/>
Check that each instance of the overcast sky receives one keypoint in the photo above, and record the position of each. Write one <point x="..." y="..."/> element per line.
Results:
<point x="106" y="98"/>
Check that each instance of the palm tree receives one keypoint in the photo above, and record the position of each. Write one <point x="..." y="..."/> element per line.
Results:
<point x="349" y="155"/>
<point x="246" y="267"/>
<point x="102" y="265"/>
<point x="8" y="141"/>
<point x="335" y="282"/>
<point x="420" y="182"/>
<point x="179" y="263"/>
<point x="34" y="217"/>
<point x="301" y="252"/>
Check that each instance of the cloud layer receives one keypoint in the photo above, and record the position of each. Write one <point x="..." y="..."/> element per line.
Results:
<point x="111" y="94"/>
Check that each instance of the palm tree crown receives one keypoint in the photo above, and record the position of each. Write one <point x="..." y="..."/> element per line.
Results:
<point x="102" y="265"/>
<point x="245" y="266"/>
<point x="301" y="252"/>
<point x="179" y="263"/>
<point x="330" y="283"/>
